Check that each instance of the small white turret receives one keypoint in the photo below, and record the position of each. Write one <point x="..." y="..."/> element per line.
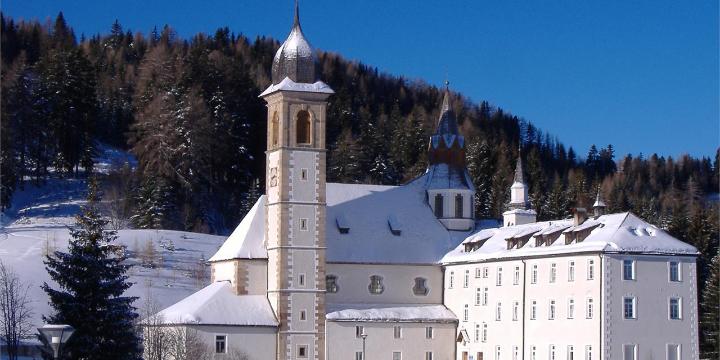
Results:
<point x="599" y="205"/>
<point x="520" y="212"/>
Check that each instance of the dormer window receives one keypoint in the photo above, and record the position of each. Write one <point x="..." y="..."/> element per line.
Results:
<point x="438" y="205"/>
<point x="458" y="206"/>
<point x="303" y="128"/>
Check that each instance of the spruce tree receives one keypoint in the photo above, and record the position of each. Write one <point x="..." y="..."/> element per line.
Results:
<point x="710" y="313"/>
<point x="91" y="279"/>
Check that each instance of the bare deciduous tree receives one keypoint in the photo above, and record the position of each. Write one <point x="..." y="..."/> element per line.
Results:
<point x="15" y="311"/>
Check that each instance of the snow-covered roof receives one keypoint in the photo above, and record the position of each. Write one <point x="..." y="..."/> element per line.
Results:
<point x="369" y="211"/>
<point x="390" y="312"/>
<point x="289" y="85"/>
<point x="217" y="304"/>
<point x="621" y="232"/>
<point x="248" y="239"/>
<point x="444" y="176"/>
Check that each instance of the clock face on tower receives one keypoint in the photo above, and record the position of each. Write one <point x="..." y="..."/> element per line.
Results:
<point x="273" y="177"/>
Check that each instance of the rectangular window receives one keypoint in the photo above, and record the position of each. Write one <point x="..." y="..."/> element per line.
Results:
<point x="484" y="332"/>
<point x="359" y="331"/>
<point x="428" y="332"/>
<point x="551" y="310"/>
<point x="533" y="275"/>
<point x="673" y="352"/>
<point x="591" y="269"/>
<point x="358" y="355"/>
<point x="552" y="355"/>
<point x="478" y="272"/>
<point x="571" y="271"/>
<point x="589" y="310"/>
<point x="303" y="224"/>
<point x="571" y="309"/>
<point x="478" y="296"/>
<point x="675" y="308"/>
<point x="516" y="276"/>
<point x="428" y="355"/>
<point x="629" y="352"/>
<point x="674" y="270"/>
<point x="533" y="353"/>
<point x="397" y="332"/>
<point x="485" y="272"/>
<point x="452" y="279"/>
<point x="397" y="355"/>
<point x="466" y="279"/>
<point x="516" y="353"/>
<point x="570" y="352"/>
<point x="628" y="270"/>
<point x="303" y="174"/>
<point x="498" y="312"/>
<point x="629" y="307"/>
<point x="515" y="310"/>
<point x="498" y="278"/>
<point x="220" y="344"/>
<point x="301" y="279"/>
<point x="466" y="313"/>
<point x="588" y="352"/>
<point x="553" y="272"/>
<point x="331" y="284"/>
<point x="477" y="332"/>
<point x="533" y="310"/>
<point x="497" y="353"/>
<point x="302" y="351"/>
<point x="303" y="315"/>
<point x="485" y="296"/>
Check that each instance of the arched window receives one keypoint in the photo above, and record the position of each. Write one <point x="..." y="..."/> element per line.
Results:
<point x="458" y="206"/>
<point x="303" y="127"/>
<point x="420" y="287"/>
<point x="331" y="283"/>
<point x="438" y="205"/>
<point x="274" y="130"/>
<point x="376" y="287"/>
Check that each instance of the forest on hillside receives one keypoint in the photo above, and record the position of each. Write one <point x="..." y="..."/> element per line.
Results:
<point x="188" y="109"/>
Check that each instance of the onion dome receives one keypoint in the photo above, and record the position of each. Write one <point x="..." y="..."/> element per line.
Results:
<point x="295" y="59"/>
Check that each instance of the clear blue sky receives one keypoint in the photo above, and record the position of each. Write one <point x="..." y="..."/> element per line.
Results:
<point x="641" y="75"/>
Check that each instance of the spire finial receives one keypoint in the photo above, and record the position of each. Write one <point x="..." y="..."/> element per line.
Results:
<point x="446" y="97"/>
<point x="296" y="21"/>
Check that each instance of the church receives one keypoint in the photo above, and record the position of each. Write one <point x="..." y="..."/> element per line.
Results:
<point x="321" y="270"/>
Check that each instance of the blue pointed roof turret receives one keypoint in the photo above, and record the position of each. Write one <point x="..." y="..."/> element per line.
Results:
<point x="447" y="123"/>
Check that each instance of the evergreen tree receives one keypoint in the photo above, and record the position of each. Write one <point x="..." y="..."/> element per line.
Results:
<point x="480" y="167"/>
<point x="710" y="313"/>
<point x="92" y="279"/>
<point x="344" y="165"/>
<point x="153" y="201"/>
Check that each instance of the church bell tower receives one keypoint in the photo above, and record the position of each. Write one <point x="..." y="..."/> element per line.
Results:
<point x="295" y="183"/>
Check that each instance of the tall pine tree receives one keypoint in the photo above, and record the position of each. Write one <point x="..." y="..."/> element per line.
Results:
<point x="91" y="279"/>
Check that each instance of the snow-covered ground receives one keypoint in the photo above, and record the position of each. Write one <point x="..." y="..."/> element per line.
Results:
<point x="37" y="224"/>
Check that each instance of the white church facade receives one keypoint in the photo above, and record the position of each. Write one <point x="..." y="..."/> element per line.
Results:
<point x="330" y="271"/>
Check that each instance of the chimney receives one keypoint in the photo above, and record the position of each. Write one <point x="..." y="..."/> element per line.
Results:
<point x="579" y="215"/>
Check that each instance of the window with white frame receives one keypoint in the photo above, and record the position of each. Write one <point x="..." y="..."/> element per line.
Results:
<point x="628" y="269"/>
<point x="302" y="351"/>
<point x="303" y="315"/>
<point x="485" y="272"/>
<point x="466" y="313"/>
<point x="675" y="308"/>
<point x="673" y="352"/>
<point x="497" y="352"/>
<point x="301" y="279"/>
<point x="484" y="332"/>
<point x="551" y="310"/>
<point x="588" y="352"/>
<point x="533" y="310"/>
<point x="220" y="344"/>
<point x="428" y="332"/>
<point x="630" y="352"/>
<point x="451" y="280"/>
<point x="397" y="355"/>
<point x="534" y="274"/>
<point x="420" y="288"/>
<point x="590" y="269"/>
<point x="478" y="296"/>
<point x="359" y="331"/>
<point x="516" y="276"/>
<point x="478" y="272"/>
<point x="485" y="296"/>
<point x="498" y="311"/>
<point x="571" y="270"/>
<point x="516" y="353"/>
<point x="303" y="174"/>
<point x="397" y="332"/>
<point x="571" y="308"/>
<point x="358" y="355"/>
<point x="553" y="272"/>
<point x="570" y="352"/>
<point x="498" y="277"/>
<point x="515" y="310"/>
<point x="674" y="271"/>
<point x="629" y="307"/>
<point x="589" y="309"/>
<point x="303" y="224"/>
<point x="553" y="353"/>
<point x="428" y="355"/>
<point x="533" y="353"/>
<point x="376" y="286"/>
<point x="466" y="279"/>
<point x="477" y="332"/>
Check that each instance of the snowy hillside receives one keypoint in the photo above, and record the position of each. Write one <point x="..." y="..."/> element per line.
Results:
<point x="169" y="265"/>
